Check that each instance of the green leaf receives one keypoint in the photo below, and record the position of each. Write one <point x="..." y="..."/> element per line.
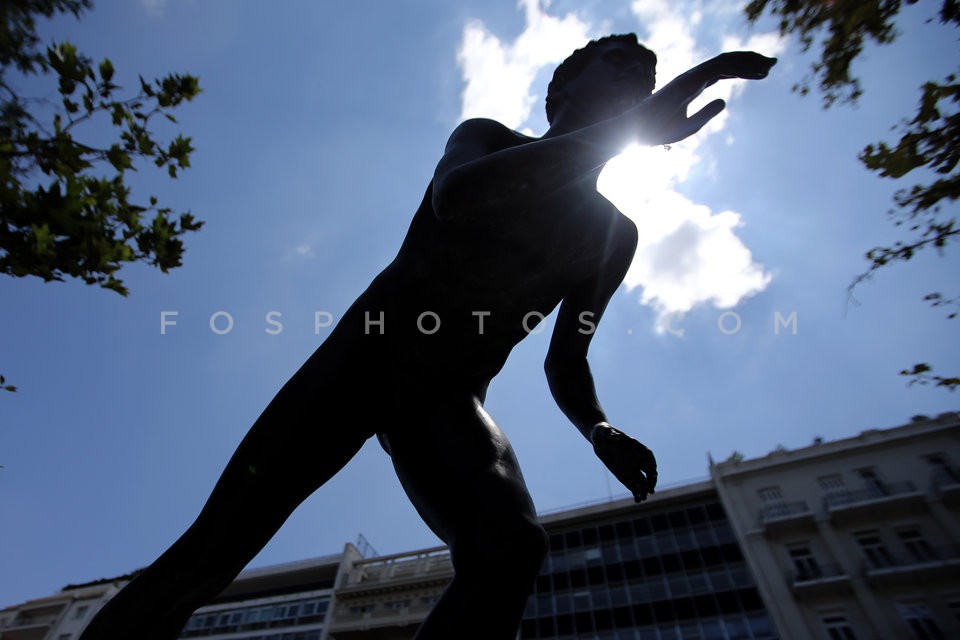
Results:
<point x="84" y="224"/>
<point x="106" y="70"/>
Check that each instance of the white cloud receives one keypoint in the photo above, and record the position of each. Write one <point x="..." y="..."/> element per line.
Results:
<point x="304" y="250"/>
<point x="499" y="76"/>
<point x="154" y="7"/>
<point x="688" y="255"/>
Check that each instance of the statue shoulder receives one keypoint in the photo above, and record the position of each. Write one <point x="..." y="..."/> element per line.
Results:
<point x="487" y="133"/>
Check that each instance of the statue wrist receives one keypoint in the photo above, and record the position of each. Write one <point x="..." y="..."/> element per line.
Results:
<point x="599" y="428"/>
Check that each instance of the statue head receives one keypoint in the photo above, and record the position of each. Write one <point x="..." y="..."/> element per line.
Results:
<point x="615" y="51"/>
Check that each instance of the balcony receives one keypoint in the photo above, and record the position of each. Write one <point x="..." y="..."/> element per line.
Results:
<point x="946" y="486"/>
<point x="372" y="622"/>
<point x="28" y="627"/>
<point x="33" y="622"/>
<point x="826" y="579"/>
<point x="917" y="567"/>
<point x="405" y="570"/>
<point x="786" y="516"/>
<point x="390" y="592"/>
<point x="873" y="503"/>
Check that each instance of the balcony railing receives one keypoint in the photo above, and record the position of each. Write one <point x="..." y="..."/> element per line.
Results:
<point x="912" y="566"/>
<point x="784" y="510"/>
<point x="869" y="494"/>
<point x="28" y="627"/>
<point x="816" y="573"/>
<point x="920" y="556"/>
<point x="30" y="622"/>
<point x="428" y="563"/>
<point x="774" y="517"/>
<point x="945" y="484"/>
<point x="896" y="496"/>
<point x="818" y="579"/>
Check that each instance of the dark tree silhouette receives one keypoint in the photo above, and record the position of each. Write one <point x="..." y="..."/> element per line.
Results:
<point x="65" y="209"/>
<point x="929" y="140"/>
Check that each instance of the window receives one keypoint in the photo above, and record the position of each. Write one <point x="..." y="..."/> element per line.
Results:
<point x="954" y="608"/>
<point x="81" y="612"/>
<point x="397" y="604"/>
<point x="770" y="495"/>
<point x="920" y="621"/>
<point x="943" y="472"/>
<point x="832" y="484"/>
<point x="773" y="504"/>
<point x="837" y="627"/>
<point x="63" y="636"/>
<point x="918" y="549"/>
<point x="874" y="551"/>
<point x="804" y="562"/>
<point x="760" y="626"/>
<point x="737" y="627"/>
<point x="834" y="491"/>
<point x="872" y="482"/>
<point x="363" y="608"/>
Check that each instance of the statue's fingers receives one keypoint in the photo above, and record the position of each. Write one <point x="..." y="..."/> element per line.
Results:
<point x="640" y="485"/>
<point x="760" y="68"/>
<point x="689" y="126"/>
<point x="639" y="490"/>
<point x="705" y="115"/>
<point x="648" y="467"/>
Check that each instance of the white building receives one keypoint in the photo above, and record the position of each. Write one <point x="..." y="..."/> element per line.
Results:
<point x="290" y="601"/>
<point x="61" y="616"/>
<point x="855" y="538"/>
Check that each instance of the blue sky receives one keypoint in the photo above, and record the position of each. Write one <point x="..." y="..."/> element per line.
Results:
<point x="316" y="134"/>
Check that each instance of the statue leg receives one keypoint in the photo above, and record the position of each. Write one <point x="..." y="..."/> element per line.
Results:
<point x="296" y="445"/>
<point x="461" y="474"/>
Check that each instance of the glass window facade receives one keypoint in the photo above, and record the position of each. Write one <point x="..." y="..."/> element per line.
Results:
<point x="671" y="573"/>
<point x="311" y="611"/>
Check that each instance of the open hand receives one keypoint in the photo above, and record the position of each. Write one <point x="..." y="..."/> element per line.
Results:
<point x="629" y="461"/>
<point x="747" y="65"/>
<point x="664" y="114"/>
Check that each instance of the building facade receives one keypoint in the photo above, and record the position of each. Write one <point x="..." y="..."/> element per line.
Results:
<point x="670" y="567"/>
<point x="855" y="538"/>
<point x="289" y="601"/>
<point x="61" y="616"/>
<point x="387" y="597"/>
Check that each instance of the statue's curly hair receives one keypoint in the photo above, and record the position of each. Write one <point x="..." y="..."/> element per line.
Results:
<point x="576" y="61"/>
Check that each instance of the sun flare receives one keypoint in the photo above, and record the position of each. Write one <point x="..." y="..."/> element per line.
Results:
<point x="641" y="183"/>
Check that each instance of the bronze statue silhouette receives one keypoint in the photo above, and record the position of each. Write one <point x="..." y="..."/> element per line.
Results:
<point x="510" y="227"/>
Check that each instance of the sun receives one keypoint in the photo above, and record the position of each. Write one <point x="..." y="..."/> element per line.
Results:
<point x="641" y="182"/>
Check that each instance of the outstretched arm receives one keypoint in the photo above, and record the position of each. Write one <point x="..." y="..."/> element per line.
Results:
<point x="486" y="165"/>
<point x="667" y="120"/>
<point x="569" y="376"/>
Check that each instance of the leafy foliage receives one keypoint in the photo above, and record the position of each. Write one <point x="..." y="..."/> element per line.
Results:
<point x="929" y="141"/>
<point x="65" y="208"/>
<point x="5" y="386"/>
